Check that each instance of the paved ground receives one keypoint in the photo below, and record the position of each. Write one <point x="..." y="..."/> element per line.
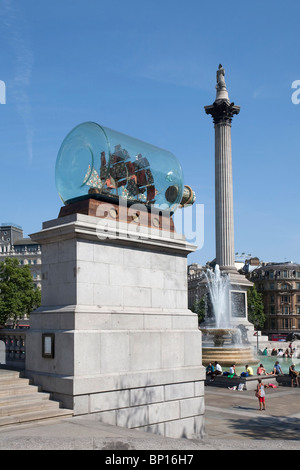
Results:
<point x="233" y="422"/>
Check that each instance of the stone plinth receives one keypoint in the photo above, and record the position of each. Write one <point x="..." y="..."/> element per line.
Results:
<point x="114" y="302"/>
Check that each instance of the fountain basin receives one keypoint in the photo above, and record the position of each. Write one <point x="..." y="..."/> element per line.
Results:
<point x="219" y="335"/>
<point x="228" y="356"/>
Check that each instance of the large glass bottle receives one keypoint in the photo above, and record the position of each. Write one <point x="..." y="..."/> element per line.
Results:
<point x="95" y="161"/>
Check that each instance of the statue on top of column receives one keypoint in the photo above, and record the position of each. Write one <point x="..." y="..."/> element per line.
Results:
<point x="220" y="78"/>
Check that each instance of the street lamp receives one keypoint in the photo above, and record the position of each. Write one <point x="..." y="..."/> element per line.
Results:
<point x="257" y="325"/>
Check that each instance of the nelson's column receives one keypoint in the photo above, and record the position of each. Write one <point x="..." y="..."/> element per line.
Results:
<point x="222" y="112"/>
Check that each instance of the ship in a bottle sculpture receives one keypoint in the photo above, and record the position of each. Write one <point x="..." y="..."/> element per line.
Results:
<point x="95" y="162"/>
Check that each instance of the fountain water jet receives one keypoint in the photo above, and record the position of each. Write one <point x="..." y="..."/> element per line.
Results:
<point x="219" y="289"/>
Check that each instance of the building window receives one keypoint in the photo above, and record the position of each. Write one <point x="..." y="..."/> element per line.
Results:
<point x="298" y="310"/>
<point x="298" y="274"/>
<point x="272" y="310"/>
<point x="285" y="310"/>
<point x="272" y="285"/>
<point x="272" y="298"/>
<point x="285" y="299"/>
<point x="271" y="275"/>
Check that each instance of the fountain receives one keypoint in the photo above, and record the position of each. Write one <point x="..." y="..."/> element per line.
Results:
<point x="223" y="341"/>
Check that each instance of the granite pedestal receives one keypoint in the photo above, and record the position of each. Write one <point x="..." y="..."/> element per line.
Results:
<point x="113" y="335"/>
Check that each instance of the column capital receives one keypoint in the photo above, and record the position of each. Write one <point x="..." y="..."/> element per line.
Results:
<point x="222" y="111"/>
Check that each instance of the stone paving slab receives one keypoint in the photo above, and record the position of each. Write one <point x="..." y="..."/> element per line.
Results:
<point x="233" y="422"/>
<point x="233" y="415"/>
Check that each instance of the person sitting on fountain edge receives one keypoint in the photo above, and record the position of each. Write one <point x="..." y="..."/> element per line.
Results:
<point x="261" y="370"/>
<point x="277" y="369"/>
<point x="210" y="371"/>
<point x="249" y="371"/>
<point x="218" y="369"/>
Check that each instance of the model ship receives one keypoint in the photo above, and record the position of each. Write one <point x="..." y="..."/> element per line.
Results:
<point x="122" y="177"/>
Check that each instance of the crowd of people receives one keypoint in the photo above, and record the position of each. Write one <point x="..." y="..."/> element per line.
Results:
<point x="213" y="370"/>
<point x="279" y="352"/>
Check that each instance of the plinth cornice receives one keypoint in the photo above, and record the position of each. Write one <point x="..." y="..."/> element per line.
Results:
<point x="222" y="111"/>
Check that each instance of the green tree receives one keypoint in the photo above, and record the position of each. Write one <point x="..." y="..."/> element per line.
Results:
<point x="18" y="296"/>
<point x="199" y="308"/>
<point x="256" y="314"/>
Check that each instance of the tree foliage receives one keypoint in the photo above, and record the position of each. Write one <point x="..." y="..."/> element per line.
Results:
<point x="199" y="308"/>
<point x="256" y="314"/>
<point x="18" y="296"/>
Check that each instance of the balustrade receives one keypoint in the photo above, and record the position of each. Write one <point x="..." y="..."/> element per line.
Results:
<point x="13" y="348"/>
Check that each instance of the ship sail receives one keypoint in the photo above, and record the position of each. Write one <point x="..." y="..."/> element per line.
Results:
<point x="92" y="178"/>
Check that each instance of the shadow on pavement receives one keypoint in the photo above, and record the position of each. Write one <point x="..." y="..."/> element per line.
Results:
<point x="267" y="427"/>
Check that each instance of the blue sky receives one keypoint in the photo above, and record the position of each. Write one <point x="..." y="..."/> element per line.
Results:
<point x="147" y="69"/>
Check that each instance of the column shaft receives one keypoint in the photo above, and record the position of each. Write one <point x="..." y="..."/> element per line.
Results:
<point x="224" y="196"/>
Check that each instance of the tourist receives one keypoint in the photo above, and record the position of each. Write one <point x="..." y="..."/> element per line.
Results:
<point x="218" y="369"/>
<point x="232" y="370"/>
<point x="210" y="371"/>
<point x="265" y="352"/>
<point x="277" y="369"/>
<point x="294" y="375"/>
<point x="261" y="370"/>
<point x="287" y="353"/>
<point x="249" y="371"/>
<point x="294" y="353"/>
<point x="260" y="394"/>
<point x="274" y="352"/>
